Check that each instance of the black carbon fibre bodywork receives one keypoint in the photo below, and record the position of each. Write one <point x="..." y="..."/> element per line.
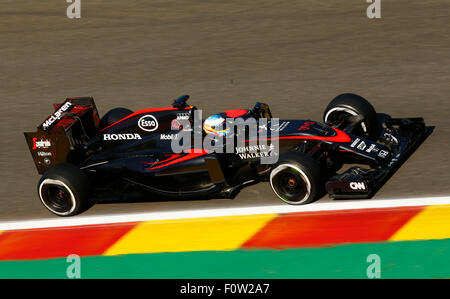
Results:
<point x="136" y="151"/>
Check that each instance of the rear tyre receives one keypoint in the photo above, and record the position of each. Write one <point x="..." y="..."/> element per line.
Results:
<point x="349" y="104"/>
<point x="64" y="190"/>
<point x="113" y="116"/>
<point x="296" y="179"/>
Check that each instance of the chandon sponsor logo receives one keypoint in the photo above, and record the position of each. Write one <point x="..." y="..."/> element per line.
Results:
<point x="129" y="136"/>
<point x="41" y="144"/>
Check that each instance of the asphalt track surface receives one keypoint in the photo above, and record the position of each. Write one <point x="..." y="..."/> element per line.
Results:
<point x="294" y="55"/>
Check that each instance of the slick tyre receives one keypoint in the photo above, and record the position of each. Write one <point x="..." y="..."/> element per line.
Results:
<point x="113" y="116"/>
<point x="349" y="104"/>
<point x="64" y="190"/>
<point x="296" y="179"/>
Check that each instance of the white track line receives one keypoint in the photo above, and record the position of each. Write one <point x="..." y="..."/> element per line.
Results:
<point x="201" y="213"/>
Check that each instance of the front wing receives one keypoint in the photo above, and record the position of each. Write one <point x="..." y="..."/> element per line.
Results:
<point x="359" y="182"/>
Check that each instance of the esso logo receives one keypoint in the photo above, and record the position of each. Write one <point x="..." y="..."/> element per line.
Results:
<point x="148" y="123"/>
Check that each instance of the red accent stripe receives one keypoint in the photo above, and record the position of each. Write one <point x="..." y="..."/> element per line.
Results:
<point x="60" y="242"/>
<point x="340" y="137"/>
<point x="171" y="158"/>
<point x="317" y="229"/>
<point x="343" y="150"/>
<point x="191" y="155"/>
<point x="143" y="111"/>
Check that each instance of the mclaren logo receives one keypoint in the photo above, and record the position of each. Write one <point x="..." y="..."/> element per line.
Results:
<point x="148" y="123"/>
<point x="122" y="137"/>
<point x="56" y="116"/>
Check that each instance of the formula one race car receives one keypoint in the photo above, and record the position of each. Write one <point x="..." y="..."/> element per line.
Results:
<point x="83" y="158"/>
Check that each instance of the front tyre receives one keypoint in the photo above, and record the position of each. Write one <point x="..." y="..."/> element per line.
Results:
<point x="64" y="190"/>
<point x="296" y="179"/>
<point x="347" y="105"/>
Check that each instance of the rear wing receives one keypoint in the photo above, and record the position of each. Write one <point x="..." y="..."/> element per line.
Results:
<point x="64" y="133"/>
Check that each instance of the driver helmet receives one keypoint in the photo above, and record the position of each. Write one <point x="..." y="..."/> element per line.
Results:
<point x="215" y="124"/>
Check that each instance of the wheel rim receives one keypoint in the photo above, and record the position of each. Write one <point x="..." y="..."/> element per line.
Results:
<point x="57" y="197"/>
<point x="337" y="115"/>
<point x="290" y="184"/>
